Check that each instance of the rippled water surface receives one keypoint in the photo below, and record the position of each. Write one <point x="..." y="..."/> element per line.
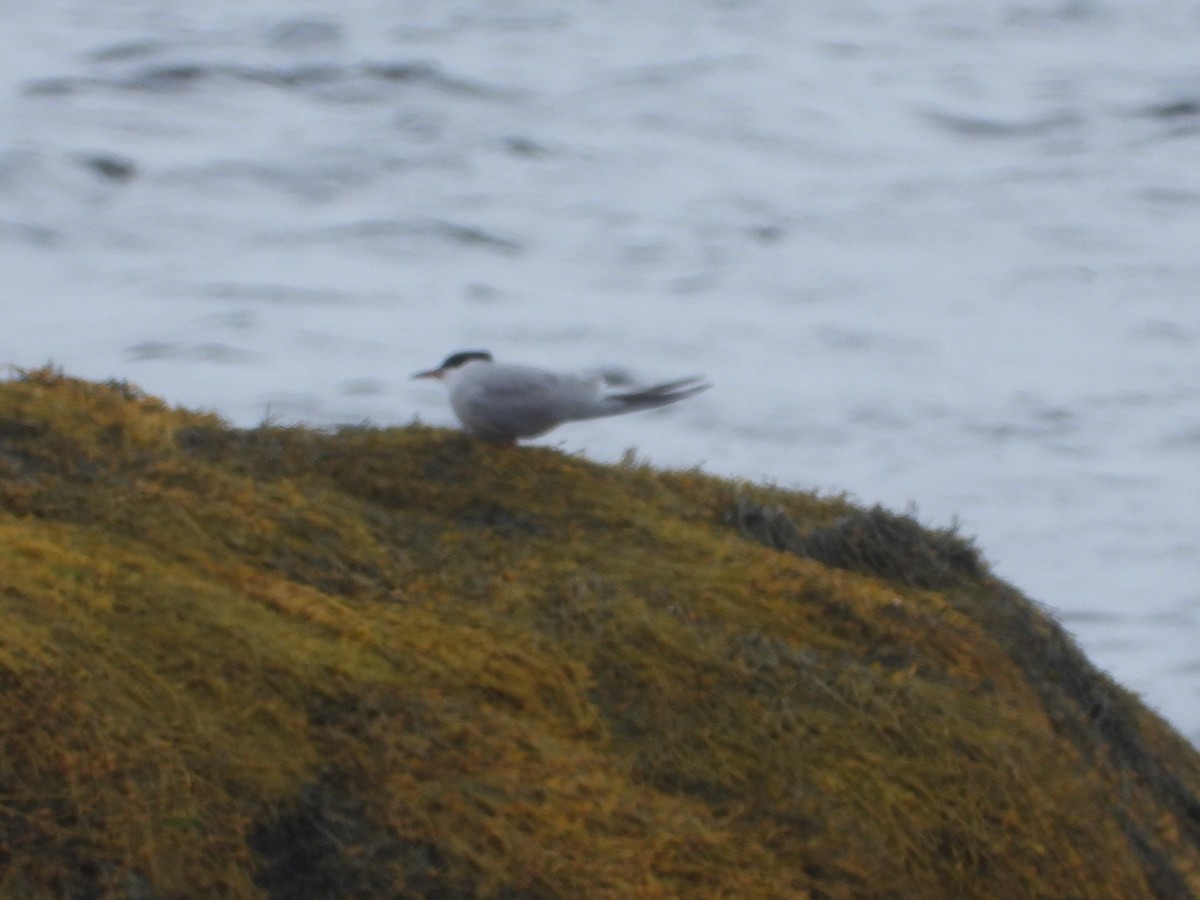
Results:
<point x="933" y="253"/>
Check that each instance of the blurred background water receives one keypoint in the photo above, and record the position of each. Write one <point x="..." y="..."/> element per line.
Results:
<point x="931" y="253"/>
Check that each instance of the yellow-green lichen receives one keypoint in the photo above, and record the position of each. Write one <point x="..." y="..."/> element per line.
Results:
<point x="396" y="662"/>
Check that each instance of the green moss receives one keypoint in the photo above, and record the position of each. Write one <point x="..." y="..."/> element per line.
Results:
<point x="287" y="663"/>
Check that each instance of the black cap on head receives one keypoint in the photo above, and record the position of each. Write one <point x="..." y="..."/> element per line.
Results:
<point x="454" y="360"/>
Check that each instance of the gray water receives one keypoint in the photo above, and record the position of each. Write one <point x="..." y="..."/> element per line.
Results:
<point x="930" y="253"/>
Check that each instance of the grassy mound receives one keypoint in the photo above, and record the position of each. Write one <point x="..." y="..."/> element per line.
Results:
<point x="399" y="663"/>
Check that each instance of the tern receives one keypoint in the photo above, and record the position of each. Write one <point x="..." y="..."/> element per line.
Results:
<point x="502" y="403"/>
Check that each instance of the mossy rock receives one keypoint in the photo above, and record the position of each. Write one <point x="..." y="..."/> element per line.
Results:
<point x="399" y="663"/>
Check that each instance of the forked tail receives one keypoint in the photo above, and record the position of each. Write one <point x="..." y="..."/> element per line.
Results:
<point x="650" y="397"/>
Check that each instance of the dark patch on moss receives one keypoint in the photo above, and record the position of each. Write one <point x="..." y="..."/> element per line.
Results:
<point x="15" y="430"/>
<point x="1166" y="883"/>
<point x="327" y="845"/>
<point x="269" y="452"/>
<point x="502" y="520"/>
<point x="770" y="526"/>
<point x="126" y="390"/>
<point x="872" y="542"/>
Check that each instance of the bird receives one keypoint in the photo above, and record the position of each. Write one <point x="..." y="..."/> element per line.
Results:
<point x="503" y="403"/>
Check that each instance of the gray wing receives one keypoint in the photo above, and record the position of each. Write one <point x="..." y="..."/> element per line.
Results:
<point x="509" y="402"/>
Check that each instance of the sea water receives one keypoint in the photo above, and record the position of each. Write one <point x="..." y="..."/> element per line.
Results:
<point x="933" y="254"/>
